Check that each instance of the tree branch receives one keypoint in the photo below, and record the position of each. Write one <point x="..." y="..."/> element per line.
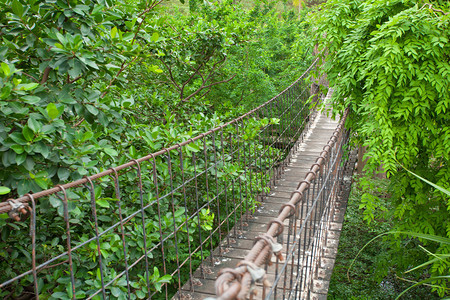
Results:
<point x="32" y="77"/>
<point x="75" y="79"/>
<point x="122" y="68"/>
<point x="430" y="6"/>
<point x="222" y="61"/>
<point x="78" y="123"/>
<point x="196" y="71"/>
<point x="170" y="78"/>
<point x="207" y="86"/>
<point x="45" y="75"/>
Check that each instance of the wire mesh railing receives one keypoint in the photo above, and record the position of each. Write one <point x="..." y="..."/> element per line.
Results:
<point x="299" y="231"/>
<point x="141" y="229"/>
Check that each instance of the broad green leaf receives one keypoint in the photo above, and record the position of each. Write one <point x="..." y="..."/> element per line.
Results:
<point x="4" y="190"/>
<point x="55" y="202"/>
<point x="92" y="109"/>
<point x="102" y="203"/>
<point x="155" y="37"/>
<point x="133" y="151"/>
<point x="115" y="291"/>
<point x="52" y="110"/>
<point x="61" y="38"/>
<point x="60" y="295"/>
<point x="28" y="133"/>
<point x="42" y="182"/>
<point x="29" y="86"/>
<point x="20" y="158"/>
<point x="80" y="295"/>
<point x="6" y="69"/>
<point x="18" y="138"/>
<point x="192" y="147"/>
<point x="113" y="32"/>
<point x="63" y="173"/>
<point x="87" y="135"/>
<point x="17" y="8"/>
<point x="31" y="99"/>
<point x="110" y="152"/>
<point x="179" y="212"/>
<point x="17" y="148"/>
<point x="34" y="125"/>
<point x="42" y="148"/>
<point x="140" y="294"/>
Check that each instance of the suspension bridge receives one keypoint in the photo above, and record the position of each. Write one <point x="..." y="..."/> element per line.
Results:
<point x="251" y="208"/>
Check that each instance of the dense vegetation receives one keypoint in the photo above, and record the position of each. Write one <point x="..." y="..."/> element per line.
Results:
<point x="75" y="74"/>
<point x="389" y="63"/>
<point x="88" y="85"/>
<point x="372" y="276"/>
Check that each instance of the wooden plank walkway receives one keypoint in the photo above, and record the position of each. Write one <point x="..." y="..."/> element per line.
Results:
<point x="314" y="140"/>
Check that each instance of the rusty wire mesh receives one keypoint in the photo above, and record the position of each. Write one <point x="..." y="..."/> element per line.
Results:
<point x="141" y="229"/>
<point x="299" y="232"/>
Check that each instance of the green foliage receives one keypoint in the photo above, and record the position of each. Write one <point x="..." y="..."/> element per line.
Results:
<point x="373" y="275"/>
<point x="389" y="63"/>
<point x="62" y="64"/>
<point x="278" y="50"/>
<point x="88" y="85"/>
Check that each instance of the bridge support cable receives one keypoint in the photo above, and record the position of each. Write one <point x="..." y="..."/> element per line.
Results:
<point x="141" y="229"/>
<point x="304" y="220"/>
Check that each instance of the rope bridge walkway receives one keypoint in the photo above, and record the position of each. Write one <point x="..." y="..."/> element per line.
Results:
<point x="251" y="207"/>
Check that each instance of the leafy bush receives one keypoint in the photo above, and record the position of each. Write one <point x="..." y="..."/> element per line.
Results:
<point x="366" y="279"/>
<point x="89" y="85"/>
<point x="389" y="63"/>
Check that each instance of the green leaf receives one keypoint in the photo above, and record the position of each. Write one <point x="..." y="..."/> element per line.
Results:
<point x="87" y="135"/>
<point x="17" y="148"/>
<point x="4" y="190"/>
<point x="55" y="202"/>
<point x="20" y="158"/>
<point x="34" y="125"/>
<point x="140" y="294"/>
<point x="42" y="182"/>
<point x="17" y="8"/>
<point x="42" y="148"/>
<point x="6" y="69"/>
<point x="115" y="291"/>
<point x="111" y="152"/>
<point x="429" y="237"/>
<point x="60" y="295"/>
<point x="29" y="86"/>
<point x="103" y="203"/>
<point x="28" y="133"/>
<point x="80" y="295"/>
<point x="179" y="212"/>
<point x="193" y="147"/>
<point x="18" y="138"/>
<point x="52" y="110"/>
<point x="113" y="32"/>
<point x="63" y="174"/>
<point x="31" y="99"/>
<point x="133" y="151"/>
<point x="155" y="37"/>
<point x="92" y="109"/>
<point x="430" y="183"/>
